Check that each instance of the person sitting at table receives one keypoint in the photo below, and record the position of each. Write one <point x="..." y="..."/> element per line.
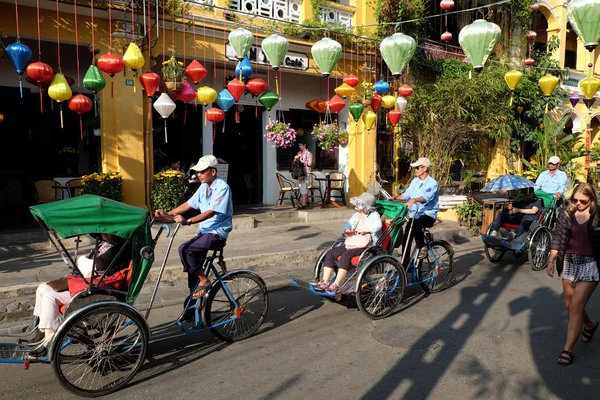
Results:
<point x="523" y="212"/>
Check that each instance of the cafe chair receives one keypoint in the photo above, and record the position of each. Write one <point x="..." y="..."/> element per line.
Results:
<point x="314" y="186"/>
<point x="286" y="186"/>
<point x="75" y="182"/>
<point x="44" y="192"/>
<point x="338" y="186"/>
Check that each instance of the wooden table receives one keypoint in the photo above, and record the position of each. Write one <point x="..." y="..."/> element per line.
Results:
<point x="69" y="188"/>
<point x="328" y="191"/>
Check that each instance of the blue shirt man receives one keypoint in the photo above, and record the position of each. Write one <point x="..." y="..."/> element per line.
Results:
<point x="216" y="197"/>
<point x="553" y="180"/>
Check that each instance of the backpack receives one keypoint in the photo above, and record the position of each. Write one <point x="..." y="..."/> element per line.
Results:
<point x="297" y="169"/>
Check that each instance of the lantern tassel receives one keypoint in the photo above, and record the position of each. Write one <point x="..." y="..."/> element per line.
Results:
<point x="256" y="110"/>
<point x="184" y="114"/>
<point x="112" y="89"/>
<point x="277" y="84"/>
<point x="214" y="134"/>
<point x="61" y="116"/>
<point x="469" y="74"/>
<point x="21" y="85"/>
<point x="546" y="107"/>
<point x="134" y="79"/>
<point x="95" y="105"/>
<point x="81" y="127"/>
<point x="511" y="98"/>
<point x="41" y="102"/>
<point x="51" y="105"/>
<point x="165" y="130"/>
<point x="224" y="120"/>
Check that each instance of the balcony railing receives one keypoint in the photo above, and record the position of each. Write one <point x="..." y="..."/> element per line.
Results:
<point x="332" y="16"/>
<point x="436" y="50"/>
<point x="282" y="10"/>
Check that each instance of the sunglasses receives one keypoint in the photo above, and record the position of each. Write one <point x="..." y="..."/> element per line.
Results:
<point x="582" y="201"/>
<point x="420" y="166"/>
<point x="203" y="172"/>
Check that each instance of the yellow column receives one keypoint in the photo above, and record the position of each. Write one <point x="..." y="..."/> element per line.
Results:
<point x="361" y="157"/>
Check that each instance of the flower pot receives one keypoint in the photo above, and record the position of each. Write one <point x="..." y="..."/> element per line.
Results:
<point x="173" y="86"/>
<point x="366" y="102"/>
<point x="343" y="143"/>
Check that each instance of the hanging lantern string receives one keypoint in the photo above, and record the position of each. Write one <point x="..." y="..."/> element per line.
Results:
<point x="172" y="28"/>
<point x="17" y="19"/>
<point x="215" y="55"/>
<point x="58" y="36"/>
<point x="149" y="33"/>
<point x="225" y="59"/>
<point x="110" y="48"/>
<point x="204" y="42"/>
<point x="38" y="31"/>
<point x="132" y="21"/>
<point x="194" y="33"/>
<point x="77" y="43"/>
<point x="93" y="41"/>
<point x="164" y="40"/>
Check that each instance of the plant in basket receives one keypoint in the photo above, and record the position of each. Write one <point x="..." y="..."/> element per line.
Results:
<point x="282" y="135"/>
<point x="172" y="73"/>
<point x="366" y="93"/>
<point x="168" y="190"/>
<point x="329" y="136"/>
<point x="107" y="184"/>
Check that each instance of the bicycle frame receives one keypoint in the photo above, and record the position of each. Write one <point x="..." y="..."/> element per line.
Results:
<point x="415" y="278"/>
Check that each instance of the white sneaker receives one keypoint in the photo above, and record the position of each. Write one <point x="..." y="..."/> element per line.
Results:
<point x="494" y="233"/>
<point x="511" y="235"/>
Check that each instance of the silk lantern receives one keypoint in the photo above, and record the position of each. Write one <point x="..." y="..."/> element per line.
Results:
<point x="46" y="85"/>
<point x="589" y="86"/>
<point x="225" y="100"/>
<point x="531" y="36"/>
<point x="319" y="105"/>
<point x="394" y="116"/>
<point x="80" y="104"/>
<point x="326" y="53"/>
<point x="548" y="84"/>
<point x="134" y="59"/>
<point x="405" y="90"/>
<point x="388" y="101"/>
<point x="39" y="72"/>
<point x="401" y="104"/>
<point x="369" y="119"/>
<point x="186" y="95"/>
<point x="275" y="48"/>
<point x="165" y="107"/>
<point x="268" y="99"/>
<point x="241" y="40"/>
<point x="214" y="115"/>
<point x="447" y="5"/>
<point x="574" y="99"/>
<point x="150" y="82"/>
<point x="111" y="64"/>
<point x="589" y="102"/>
<point x="196" y="72"/>
<point x="397" y="50"/>
<point x="256" y="86"/>
<point x="584" y="17"/>
<point x="59" y="91"/>
<point x="356" y="109"/>
<point x="535" y="7"/>
<point x="478" y="40"/>
<point x="512" y="79"/>
<point x="351" y="80"/>
<point x="206" y="95"/>
<point x="19" y="55"/>
<point x="381" y="87"/>
<point x="236" y="88"/>
<point x="344" y="90"/>
<point x="376" y="102"/>
<point x="243" y="70"/>
<point x="446" y="36"/>
<point x="529" y="61"/>
<point x="336" y="104"/>
<point x="94" y="82"/>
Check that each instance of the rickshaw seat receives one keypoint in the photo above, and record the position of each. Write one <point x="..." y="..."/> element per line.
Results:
<point x="385" y="244"/>
<point x="511" y="227"/>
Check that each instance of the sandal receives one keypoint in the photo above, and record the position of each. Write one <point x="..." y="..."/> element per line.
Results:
<point x="201" y="290"/>
<point x="588" y="334"/>
<point x="322" y="285"/>
<point x="333" y="289"/>
<point x="423" y="253"/>
<point x="566" y="358"/>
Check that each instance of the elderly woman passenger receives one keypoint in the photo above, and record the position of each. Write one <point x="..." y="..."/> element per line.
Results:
<point x="362" y="230"/>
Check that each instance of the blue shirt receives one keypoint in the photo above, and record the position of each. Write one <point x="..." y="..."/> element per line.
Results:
<point x="552" y="183"/>
<point x="217" y="199"/>
<point x="428" y="189"/>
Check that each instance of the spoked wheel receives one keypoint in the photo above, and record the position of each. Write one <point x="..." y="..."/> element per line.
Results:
<point x="231" y="323"/>
<point x="492" y="254"/>
<point x="435" y="270"/>
<point x="539" y="248"/>
<point x="318" y="273"/>
<point x="380" y="287"/>
<point x="100" y="351"/>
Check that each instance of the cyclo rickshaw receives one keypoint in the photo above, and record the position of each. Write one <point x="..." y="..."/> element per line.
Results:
<point x="377" y="279"/>
<point x="102" y="341"/>
<point x="535" y="242"/>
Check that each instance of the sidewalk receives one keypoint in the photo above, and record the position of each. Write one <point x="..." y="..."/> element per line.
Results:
<point x="275" y="252"/>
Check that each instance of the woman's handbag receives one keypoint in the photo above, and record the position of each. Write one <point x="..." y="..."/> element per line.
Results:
<point x="357" y="241"/>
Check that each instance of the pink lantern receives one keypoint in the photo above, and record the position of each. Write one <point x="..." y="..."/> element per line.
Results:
<point x="446" y="36"/>
<point x="447" y="5"/>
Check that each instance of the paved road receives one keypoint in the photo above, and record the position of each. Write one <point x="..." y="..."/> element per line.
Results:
<point x="494" y="334"/>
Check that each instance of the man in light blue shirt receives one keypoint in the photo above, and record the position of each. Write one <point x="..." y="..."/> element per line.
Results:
<point x="553" y="180"/>
<point x="213" y="200"/>
<point x="422" y="190"/>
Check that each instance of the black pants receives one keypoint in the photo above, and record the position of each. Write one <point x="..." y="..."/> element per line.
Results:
<point x="193" y="253"/>
<point x="424" y="221"/>
<point x="344" y="254"/>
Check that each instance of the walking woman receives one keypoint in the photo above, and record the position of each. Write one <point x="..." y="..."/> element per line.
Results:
<point x="576" y="250"/>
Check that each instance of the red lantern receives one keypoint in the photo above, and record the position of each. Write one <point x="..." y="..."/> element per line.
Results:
<point x="446" y="36"/>
<point x="351" y="80"/>
<point x="375" y="102"/>
<point x="535" y="7"/>
<point x="319" y="105"/>
<point x="531" y="36"/>
<point x="111" y="64"/>
<point x="196" y="72"/>
<point x="150" y="82"/>
<point x="46" y="84"/>
<point x="336" y="104"/>
<point x="80" y="104"/>
<point x="529" y="61"/>
<point x="405" y="90"/>
<point x="256" y="86"/>
<point x="447" y="5"/>
<point x="215" y="115"/>
<point x="236" y="88"/>
<point x="40" y="72"/>
<point x="394" y="117"/>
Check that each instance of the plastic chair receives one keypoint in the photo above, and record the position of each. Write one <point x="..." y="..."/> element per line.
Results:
<point x="313" y="187"/>
<point x="287" y="186"/>
<point x="338" y="186"/>
<point x="44" y="192"/>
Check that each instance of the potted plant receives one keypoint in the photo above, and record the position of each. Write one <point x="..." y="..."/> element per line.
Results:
<point x="168" y="190"/>
<point x="329" y="137"/>
<point x="280" y="134"/>
<point x="108" y="184"/>
<point x="172" y="73"/>
<point x="93" y="124"/>
<point x="367" y="92"/>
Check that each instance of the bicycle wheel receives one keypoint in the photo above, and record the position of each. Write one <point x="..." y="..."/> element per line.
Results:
<point x="539" y="248"/>
<point x="435" y="270"/>
<point x="100" y="351"/>
<point x="380" y="287"/>
<point x="492" y="254"/>
<point x="228" y="322"/>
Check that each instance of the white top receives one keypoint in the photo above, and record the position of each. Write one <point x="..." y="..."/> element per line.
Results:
<point x="365" y="223"/>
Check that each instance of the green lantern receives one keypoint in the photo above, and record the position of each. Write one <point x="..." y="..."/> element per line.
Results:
<point x="397" y="50"/>
<point x="477" y="40"/>
<point x="268" y="99"/>
<point x="584" y="17"/>
<point x="275" y="48"/>
<point x="326" y="53"/>
<point x="93" y="79"/>
<point x="241" y="40"/>
<point x="356" y="109"/>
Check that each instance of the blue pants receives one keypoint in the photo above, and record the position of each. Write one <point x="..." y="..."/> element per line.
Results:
<point x="193" y="252"/>
<point x="524" y="221"/>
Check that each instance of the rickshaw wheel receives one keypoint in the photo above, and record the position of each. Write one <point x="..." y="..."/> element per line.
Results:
<point x="437" y="266"/>
<point x="100" y="351"/>
<point x="250" y="293"/>
<point x="318" y="273"/>
<point x="539" y="248"/>
<point x="492" y="254"/>
<point x="380" y="287"/>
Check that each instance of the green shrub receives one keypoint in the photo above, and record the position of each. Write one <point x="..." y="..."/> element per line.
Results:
<point x="109" y="185"/>
<point x="168" y="190"/>
<point x="470" y="214"/>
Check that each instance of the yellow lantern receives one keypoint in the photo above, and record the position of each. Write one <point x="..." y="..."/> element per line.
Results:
<point x="388" y="101"/>
<point x="134" y="59"/>
<point x="206" y="95"/>
<point x="589" y="86"/>
<point x="369" y="118"/>
<point x="512" y="79"/>
<point x="548" y="84"/>
<point x="59" y="91"/>
<point x="345" y="90"/>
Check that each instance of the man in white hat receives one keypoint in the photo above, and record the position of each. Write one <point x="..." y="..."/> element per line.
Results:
<point x="553" y="180"/>
<point x="213" y="200"/>
<point x="423" y="190"/>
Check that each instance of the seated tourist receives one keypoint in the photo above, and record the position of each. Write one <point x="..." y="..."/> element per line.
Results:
<point x="522" y="212"/>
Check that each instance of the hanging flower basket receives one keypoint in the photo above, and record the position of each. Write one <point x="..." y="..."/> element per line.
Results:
<point x="366" y="93"/>
<point x="329" y="136"/>
<point x="280" y="134"/>
<point x="172" y="73"/>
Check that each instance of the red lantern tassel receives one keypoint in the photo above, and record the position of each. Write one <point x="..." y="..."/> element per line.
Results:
<point x="214" y="134"/>
<point x="256" y="110"/>
<point x="184" y="113"/>
<point x="81" y="127"/>
<point x="112" y="89"/>
<point x="41" y="102"/>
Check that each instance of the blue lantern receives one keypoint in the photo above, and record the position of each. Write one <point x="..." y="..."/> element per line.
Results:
<point x="244" y="69"/>
<point x="19" y="55"/>
<point x="225" y="100"/>
<point x="381" y="87"/>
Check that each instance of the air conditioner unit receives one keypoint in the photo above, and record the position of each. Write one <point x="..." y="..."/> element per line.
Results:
<point x="123" y="29"/>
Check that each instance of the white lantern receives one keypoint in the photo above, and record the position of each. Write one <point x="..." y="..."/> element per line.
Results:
<point x="165" y="107"/>
<point x="401" y="104"/>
